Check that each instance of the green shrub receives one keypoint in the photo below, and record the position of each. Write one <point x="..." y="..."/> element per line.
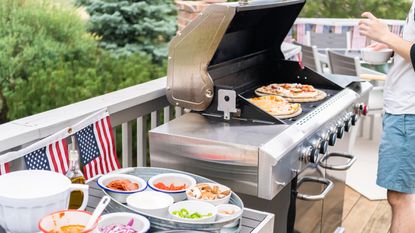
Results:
<point x="131" y="26"/>
<point x="48" y="60"/>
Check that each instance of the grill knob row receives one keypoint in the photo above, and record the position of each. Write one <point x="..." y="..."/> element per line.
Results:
<point x="320" y="146"/>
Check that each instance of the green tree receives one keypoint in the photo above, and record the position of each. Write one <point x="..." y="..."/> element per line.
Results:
<point x="387" y="9"/>
<point x="131" y="26"/>
<point x="48" y="60"/>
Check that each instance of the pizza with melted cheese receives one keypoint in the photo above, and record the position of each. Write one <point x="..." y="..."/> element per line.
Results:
<point x="277" y="106"/>
<point x="293" y="92"/>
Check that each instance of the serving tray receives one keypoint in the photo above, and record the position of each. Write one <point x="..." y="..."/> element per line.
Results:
<point x="162" y="223"/>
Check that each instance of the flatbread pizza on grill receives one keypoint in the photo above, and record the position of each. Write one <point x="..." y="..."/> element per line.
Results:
<point x="277" y="106"/>
<point x="293" y="92"/>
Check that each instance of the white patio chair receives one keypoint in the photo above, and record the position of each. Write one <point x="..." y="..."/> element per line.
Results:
<point x="309" y="55"/>
<point x="345" y="65"/>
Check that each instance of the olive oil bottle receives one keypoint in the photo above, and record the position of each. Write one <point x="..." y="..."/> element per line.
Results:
<point x="77" y="177"/>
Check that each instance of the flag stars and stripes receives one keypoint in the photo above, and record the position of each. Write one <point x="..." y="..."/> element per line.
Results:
<point x="97" y="148"/>
<point x="53" y="157"/>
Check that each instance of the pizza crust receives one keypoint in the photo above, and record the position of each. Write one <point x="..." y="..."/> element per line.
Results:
<point x="299" y="111"/>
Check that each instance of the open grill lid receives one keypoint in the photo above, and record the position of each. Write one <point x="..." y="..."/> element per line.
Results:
<point x="224" y="33"/>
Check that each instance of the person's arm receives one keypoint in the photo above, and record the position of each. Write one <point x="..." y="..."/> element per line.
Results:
<point x="376" y="30"/>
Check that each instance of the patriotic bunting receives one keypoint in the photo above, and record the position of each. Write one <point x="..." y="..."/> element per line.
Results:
<point x="96" y="146"/>
<point x="300" y="29"/>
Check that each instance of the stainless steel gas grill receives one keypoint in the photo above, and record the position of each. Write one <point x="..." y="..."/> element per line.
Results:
<point x="215" y="65"/>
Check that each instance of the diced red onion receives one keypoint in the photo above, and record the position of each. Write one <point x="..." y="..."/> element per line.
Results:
<point x="117" y="228"/>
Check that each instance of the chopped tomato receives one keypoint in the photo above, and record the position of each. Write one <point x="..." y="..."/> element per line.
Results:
<point x="171" y="187"/>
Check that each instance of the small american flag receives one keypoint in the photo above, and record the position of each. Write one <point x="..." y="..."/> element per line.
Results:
<point x="53" y="157"/>
<point x="4" y="168"/>
<point x="97" y="148"/>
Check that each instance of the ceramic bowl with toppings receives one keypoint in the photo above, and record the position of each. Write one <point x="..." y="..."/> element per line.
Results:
<point x="123" y="223"/>
<point x="151" y="202"/>
<point x="228" y="211"/>
<point x="193" y="211"/>
<point x="174" y="184"/>
<point x="120" y="186"/>
<point x="212" y="193"/>
<point x="66" y="221"/>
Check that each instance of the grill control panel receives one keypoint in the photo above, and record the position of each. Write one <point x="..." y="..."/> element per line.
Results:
<point x="335" y="129"/>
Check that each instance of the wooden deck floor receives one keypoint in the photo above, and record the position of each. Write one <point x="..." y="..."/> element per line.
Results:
<point x="361" y="215"/>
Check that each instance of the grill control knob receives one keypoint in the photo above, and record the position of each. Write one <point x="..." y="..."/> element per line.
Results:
<point x="347" y="123"/>
<point x="310" y="155"/>
<point x="324" y="146"/>
<point x="333" y="138"/>
<point x="340" y="130"/>
<point x="354" y="118"/>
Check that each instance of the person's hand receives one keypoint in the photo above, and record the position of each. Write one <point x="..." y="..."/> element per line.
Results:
<point x="374" y="28"/>
<point x="378" y="46"/>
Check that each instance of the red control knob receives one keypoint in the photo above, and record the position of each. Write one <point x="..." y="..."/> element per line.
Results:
<point x="364" y="111"/>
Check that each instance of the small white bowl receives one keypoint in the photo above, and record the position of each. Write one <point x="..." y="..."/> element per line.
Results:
<point x="54" y="221"/>
<point x="379" y="57"/>
<point x="223" y="217"/>
<point x="200" y="207"/>
<point x="121" y="196"/>
<point x="151" y="202"/>
<point x="215" y="202"/>
<point x="176" y="179"/>
<point x="141" y="224"/>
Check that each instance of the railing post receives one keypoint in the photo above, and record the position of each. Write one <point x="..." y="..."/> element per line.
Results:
<point x="155" y="119"/>
<point x="127" y="145"/>
<point x="178" y="111"/>
<point x="166" y="114"/>
<point x="142" y="133"/>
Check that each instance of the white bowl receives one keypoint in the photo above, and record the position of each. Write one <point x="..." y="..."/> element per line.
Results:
<point x="121" y="196"/>
<point x="224" y="217"/>
<point x="200" y="207"/>
<point x="27" y="196"/>
<point x="175" y="179"/>
<point x="151" y="202"/>
<point x="215" y="202"/>
<point x="54" y="221"/>
<point x="371" y="56"/>
<point x="141" y="224"/>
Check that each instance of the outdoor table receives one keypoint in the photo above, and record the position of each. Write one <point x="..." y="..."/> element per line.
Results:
<point x="253" y="221"/>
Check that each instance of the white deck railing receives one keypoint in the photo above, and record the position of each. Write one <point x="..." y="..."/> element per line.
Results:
<point x="137" y="103"/>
